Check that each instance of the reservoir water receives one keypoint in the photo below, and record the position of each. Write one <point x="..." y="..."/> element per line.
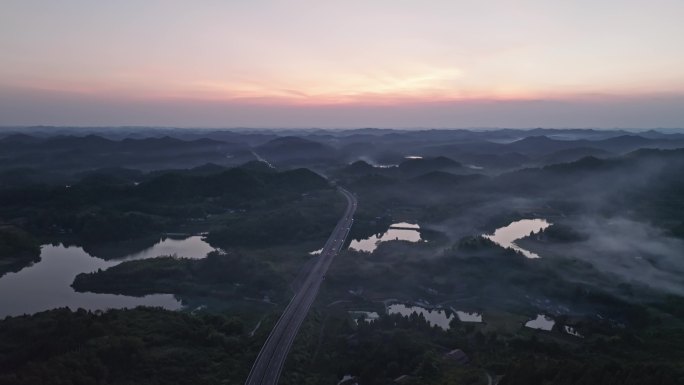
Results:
<point x="402" y="231"/>
<point x="435" y="317"/>
<point x="468" y="317"/>
<point x="507" y="235"/>
<point x="193" y="247"/>
<point x="368" y="316"/>
<point x="542" y="322"/>
<point x="47" y="284"/>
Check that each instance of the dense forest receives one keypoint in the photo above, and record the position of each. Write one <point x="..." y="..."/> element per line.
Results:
<point x="265" y="203"/>
<point x="220" y="275"/>
<point x="152" y="346"/>
<point x="17" y="249"/>
<point x="141" y="346"/>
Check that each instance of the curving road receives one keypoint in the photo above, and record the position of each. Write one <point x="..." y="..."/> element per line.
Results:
<point x="269" y="362"/>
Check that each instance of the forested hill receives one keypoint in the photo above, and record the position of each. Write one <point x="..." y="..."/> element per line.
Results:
<point x="67" y="153"/>
<point x="103" y="207"/>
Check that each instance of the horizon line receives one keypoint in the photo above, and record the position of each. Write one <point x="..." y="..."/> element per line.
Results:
<point x="303" y="128"/>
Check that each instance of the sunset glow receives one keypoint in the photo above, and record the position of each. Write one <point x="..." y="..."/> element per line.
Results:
<point x="311" y="54"/>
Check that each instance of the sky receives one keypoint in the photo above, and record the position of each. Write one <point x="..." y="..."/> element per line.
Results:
<point x="351" y="63"/>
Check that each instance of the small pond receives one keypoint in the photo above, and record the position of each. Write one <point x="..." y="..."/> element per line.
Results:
<point x="347" y="379"/>
<point x="435" y="317"/>
<point x="507" y="235"/>
<point x="369" y="316"/>
<point x="468" y="317"/>
<point x="542" y="322"/>
<point x="193" y="247"/>
<point x="402" y="231"/>
<point x="572" y="331"/>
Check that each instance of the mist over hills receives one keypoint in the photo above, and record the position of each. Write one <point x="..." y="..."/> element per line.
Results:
<point x="264" y="202"/>
<point x="342" y="192"/>
<point x="39" y="150"/>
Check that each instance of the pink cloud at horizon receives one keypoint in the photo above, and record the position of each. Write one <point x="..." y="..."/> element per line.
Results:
<point x="318" y="55"/>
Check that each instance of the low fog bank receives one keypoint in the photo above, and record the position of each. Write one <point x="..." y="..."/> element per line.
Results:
<point x="635" y="251"/>
<point x="628" y="210"/>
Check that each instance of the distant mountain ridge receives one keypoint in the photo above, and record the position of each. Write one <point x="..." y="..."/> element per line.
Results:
<point x="79" y="150"/>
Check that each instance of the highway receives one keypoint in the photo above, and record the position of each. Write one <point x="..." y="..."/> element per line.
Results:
<point x="269" y="362"/>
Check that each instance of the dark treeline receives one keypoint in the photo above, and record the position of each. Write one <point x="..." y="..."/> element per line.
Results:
<point x="17" y="249"/>
<point x="141" y="346"/>
<point x="59" y="156"/>
<point x="103" y="208"/>
<point x="644" y="185"/>
<point x="392" y="346"/>
<point x="218" y="275"/>
<point x="609" y="265"/>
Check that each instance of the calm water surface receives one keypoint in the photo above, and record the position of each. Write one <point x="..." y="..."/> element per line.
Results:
<point x="468" y="317"/>
<point x="542" y="322"/>
<point x="506" y="236"/>
<point x="47" y="284"/>
<point x="572" y="331"/>
<point x="370" y="316"/>
<point x="193" y="247"/>
<point x="402" y="231"/>
<point x="347" y="378"/>
<point x="435" y="317"/>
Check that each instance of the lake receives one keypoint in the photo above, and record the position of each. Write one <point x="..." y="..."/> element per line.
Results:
<point x="369" y="316"/>
<point x="507" y="235"/>
<point x="468" y="317"/>
<point x="401" y="231"/>
<point x="435" y="317"/>
<point x="193" y="247"/>
<point x="47" y="284"/>
<point x="542" y="322"/>
<point x="572" y="331"/>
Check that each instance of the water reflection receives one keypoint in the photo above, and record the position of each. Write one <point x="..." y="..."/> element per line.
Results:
<point x="347" y="379"/>
<point x="47" y="284"/>
<point x="468" y="317"/>
<point x="405" y="225"/>
<point x="434" y="317"/>
<point x="542" y="322"/>
<point x="193" y="247"/>
<point x="402" y="231"/>
<point x="572" y="331"/>
<point x="368" y="316"/>
<point x="506" y="236"/>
